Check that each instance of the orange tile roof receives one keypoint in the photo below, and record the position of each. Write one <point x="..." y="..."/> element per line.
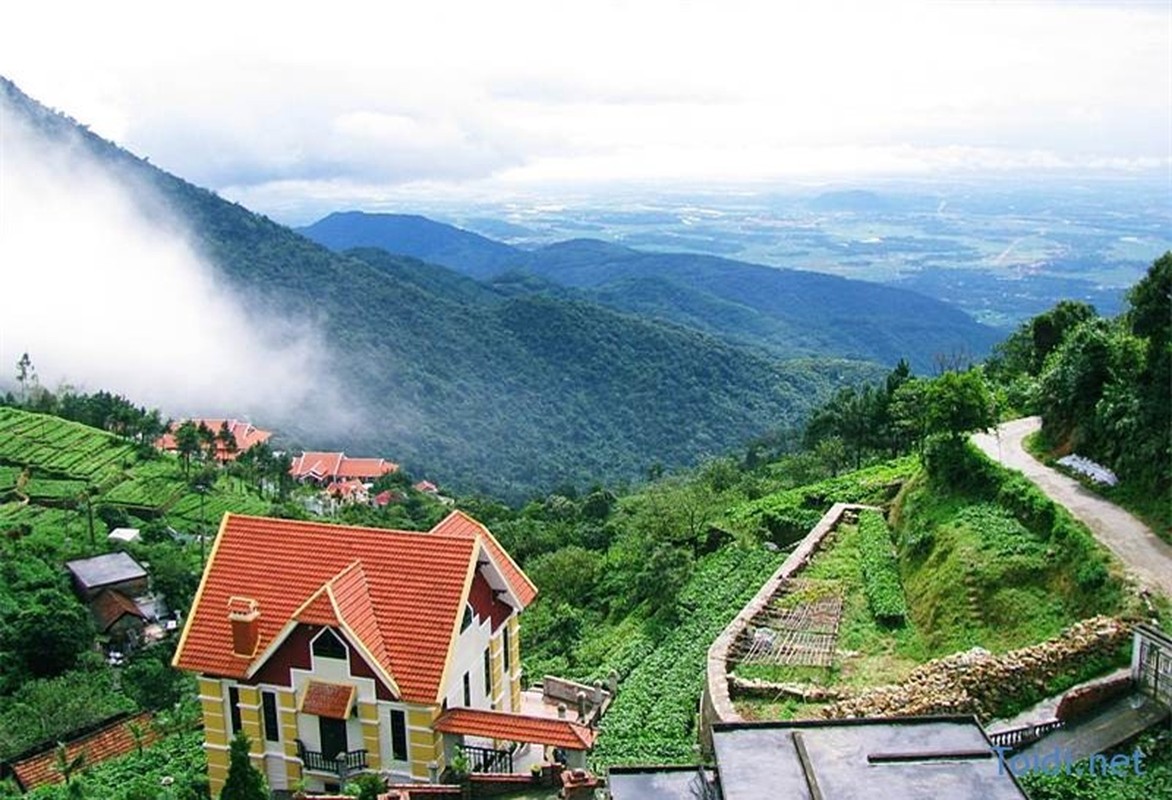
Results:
<point x="245" y="434"/>
<point x="333" y="700"/>
<point x="110" y="606"/>
<point x="399" y="593"/>
<point x="314" y="464"/>
<point x="516" y="728"/>
<point x="109" y="741"/>
<point x="460" y="524"/>
<point x="365" y="467"/>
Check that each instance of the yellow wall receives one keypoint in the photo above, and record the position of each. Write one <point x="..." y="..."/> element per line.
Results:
<point x="423" y="744"/>
<point x="501" y="693"/>
<point x="211" y="701"/>
<point x="368" y="715"/>
<point x="287" y="710"/>
<point x="515" y="660"/>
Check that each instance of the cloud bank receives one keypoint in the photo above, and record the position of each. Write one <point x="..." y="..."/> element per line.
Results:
<point x="304" y="107"/>
<point x="104" y="291"/>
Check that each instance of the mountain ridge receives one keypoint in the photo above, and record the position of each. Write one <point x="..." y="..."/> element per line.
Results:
<point x="785" y="313"/>
<point x="490" y="392"/>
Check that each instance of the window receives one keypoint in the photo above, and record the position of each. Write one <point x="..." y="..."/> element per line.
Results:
<point x="269" y="707"/>
<point x="507" y="647"/>
<point x="234" y="709"/>
<point x="327" y="645"/>
<point x="487" y="673"/>
<point x="467" y="689"/>
<point x="398" y="735"/>
<point x="466" y="623"/>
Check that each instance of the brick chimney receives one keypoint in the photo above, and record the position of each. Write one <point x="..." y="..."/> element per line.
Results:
<point x="244" y="615"/>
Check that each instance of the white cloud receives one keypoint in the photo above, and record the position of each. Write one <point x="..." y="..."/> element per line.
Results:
<point x="465" y="94"/>
<point x="104" y="291"/>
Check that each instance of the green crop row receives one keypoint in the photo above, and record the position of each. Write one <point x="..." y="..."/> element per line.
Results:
<point x="9" y="477"/>
<point x="880" y="570"/>
<point x="53" y="489"/>
<point x="155" y="493"/>
<point x="652" y="718"/>
<point x="60" y="447"/>
<point x="785" y="517"/>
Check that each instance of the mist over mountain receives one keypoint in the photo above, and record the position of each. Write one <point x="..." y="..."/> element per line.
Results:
<point x="485" y="389"/>
<point x="784" y="313"/>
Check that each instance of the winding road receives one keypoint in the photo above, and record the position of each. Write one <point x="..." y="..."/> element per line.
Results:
<point x="1144" y="554"/>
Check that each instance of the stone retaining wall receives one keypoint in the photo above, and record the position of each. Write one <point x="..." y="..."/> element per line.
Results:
<point x="978" y="682"/>
<point x="716" y="702"/>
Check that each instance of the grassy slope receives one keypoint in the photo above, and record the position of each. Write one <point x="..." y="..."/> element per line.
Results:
<point x="975" y="573"/>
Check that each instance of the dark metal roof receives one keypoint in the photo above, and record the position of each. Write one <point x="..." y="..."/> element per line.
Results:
<point x="926" y="757"/>
<point x="105" y="570"/>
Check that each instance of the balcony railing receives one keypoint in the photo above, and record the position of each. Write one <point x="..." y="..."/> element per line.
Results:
<point x="351" y="761"/>
<point x="1027" y="735"/>
<point x="485" y="759"/>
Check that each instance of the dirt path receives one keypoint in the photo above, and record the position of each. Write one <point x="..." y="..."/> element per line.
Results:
<point x="1149" y="558"/>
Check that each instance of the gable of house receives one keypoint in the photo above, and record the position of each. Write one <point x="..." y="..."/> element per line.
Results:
<point x="399" y="596"/>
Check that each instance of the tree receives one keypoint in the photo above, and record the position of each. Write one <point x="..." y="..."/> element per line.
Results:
<point x="226" y="441"/>
<point x="958" y="403"/>
<point x="187" y="444"/>
<point x="568" y="574"/>
<point x="1050" y="329"/>
<point x="244" y="781"/>
<point x="24" y="372"/>
<point x="50" y="633"/>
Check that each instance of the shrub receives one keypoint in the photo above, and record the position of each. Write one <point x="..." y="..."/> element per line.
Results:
<point x="880" y="570"/>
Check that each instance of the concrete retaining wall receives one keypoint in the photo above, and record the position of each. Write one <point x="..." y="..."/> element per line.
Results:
<point x="716" y="703"/>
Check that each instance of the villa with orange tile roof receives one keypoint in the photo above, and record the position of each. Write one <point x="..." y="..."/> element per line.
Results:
<point x="340" y="649"/>
<point x="245" y="433"/>
<point x="324" y="468"/>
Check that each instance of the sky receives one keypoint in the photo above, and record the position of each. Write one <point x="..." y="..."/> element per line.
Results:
<point x="293" y="109"/>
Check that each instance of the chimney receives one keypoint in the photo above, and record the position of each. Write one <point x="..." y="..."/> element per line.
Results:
<point x="243" y="614"/>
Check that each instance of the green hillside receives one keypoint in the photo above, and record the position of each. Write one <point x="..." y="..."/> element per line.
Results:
<point x="784" y="312"/>
<point x="499" y="397"/>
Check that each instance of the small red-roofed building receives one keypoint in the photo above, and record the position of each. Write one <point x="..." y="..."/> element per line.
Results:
<point x="337" y="649"/>
<point x="325" y="468"/>
<point x="427" y="487"/>
<point x="244" y="433"/>
<point x="348" y="491"/>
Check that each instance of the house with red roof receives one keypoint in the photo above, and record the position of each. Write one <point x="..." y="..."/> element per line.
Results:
<point x="340" y="649"/>
<point x="325" y="468"/>
<point x="244" y="433"/>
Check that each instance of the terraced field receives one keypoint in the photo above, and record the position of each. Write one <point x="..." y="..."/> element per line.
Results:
<point x="63" y="449"/>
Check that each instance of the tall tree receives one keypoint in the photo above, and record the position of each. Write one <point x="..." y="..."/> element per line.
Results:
<point x="225" y="441"/>
<point x="244" y="781"/>
<point x="24" y="373"/>
<point x="187" y="444"/>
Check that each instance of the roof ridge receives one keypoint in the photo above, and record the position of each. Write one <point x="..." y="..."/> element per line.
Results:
<point x="312" y="523"/>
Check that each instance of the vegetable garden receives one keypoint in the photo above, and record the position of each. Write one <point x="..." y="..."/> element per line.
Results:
<point x="653" y="718"/>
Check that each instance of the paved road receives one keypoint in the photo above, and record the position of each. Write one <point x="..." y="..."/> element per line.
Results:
<point x="1133" y="542"/>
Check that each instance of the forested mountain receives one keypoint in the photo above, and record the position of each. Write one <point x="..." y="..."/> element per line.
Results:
<point x="786" y="313"/>
<point x="487" y="391"/>
<point x="416" y="236"/>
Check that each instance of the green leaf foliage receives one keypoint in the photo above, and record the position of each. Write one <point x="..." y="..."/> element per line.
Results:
<point x="880" y="570"/>
<point x="244" y="781"/>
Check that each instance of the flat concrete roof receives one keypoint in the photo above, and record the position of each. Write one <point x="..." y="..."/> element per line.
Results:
<point x="927" y="757"/>
<point x="105" y="570"/>
<point x="658" y="783"/>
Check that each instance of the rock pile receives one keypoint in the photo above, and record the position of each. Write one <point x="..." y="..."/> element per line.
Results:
<point x="978" y="682"/>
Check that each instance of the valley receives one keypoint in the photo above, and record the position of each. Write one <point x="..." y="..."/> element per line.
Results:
<point x="634" y="431"/>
